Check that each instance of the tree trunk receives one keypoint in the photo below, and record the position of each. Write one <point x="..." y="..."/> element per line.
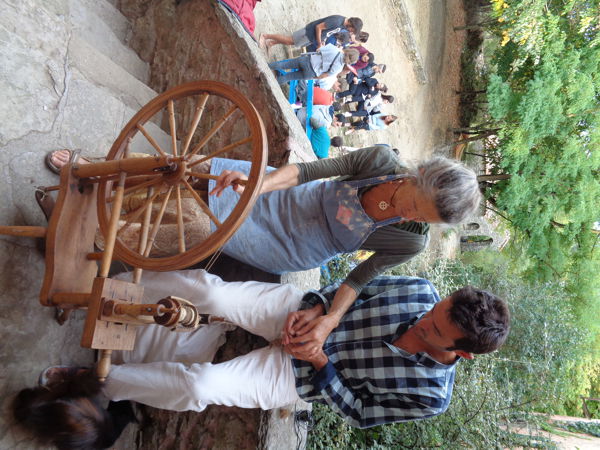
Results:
<point x="478" y="137"/>
<point x="476" y="154"/>
<point x="482" y="91"/>
<point x="500" y="176"/>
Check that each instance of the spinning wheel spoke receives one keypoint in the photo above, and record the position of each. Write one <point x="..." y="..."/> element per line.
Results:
<point x="200" y="105"/>
<point x="151" y="140"/>
<point x="157" y="222"/>
<point x="221" y="151"/>
<point x="165" y="222"/>
<point x="201" y="203"/>
<point x="172" y="126"/>
<point x="134" y="215"/>
<point x="131" y="189"/>
<point x="180" y="226"/>
<point x="214" y="130"/>
<point x="143" y="241"/>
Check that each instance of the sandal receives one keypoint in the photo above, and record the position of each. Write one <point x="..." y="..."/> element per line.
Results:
<point x="73" y="157"/>
<point x="54" y="375"/>
<point x="45" y="201"/>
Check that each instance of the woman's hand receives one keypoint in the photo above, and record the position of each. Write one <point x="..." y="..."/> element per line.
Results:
<point x="229" y="178"/>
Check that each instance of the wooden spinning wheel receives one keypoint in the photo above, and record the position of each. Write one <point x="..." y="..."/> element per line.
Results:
<point x="184" y="108"/>
<point x="155" y="169"/>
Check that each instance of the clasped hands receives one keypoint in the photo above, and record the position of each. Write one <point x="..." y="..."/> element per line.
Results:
<point x="304" y="334"/>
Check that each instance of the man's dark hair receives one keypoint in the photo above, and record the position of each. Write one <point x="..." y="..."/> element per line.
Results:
<point x="337" y="141"/>
<point x="371" y="57"/>
<point x="355" y="23"/>
<point x="482" y="317"/>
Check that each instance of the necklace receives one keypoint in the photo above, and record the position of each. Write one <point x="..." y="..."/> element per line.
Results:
<point x="383" y="205"/>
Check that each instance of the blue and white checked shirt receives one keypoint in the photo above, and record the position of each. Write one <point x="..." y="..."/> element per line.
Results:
<point x="368" y="381"/>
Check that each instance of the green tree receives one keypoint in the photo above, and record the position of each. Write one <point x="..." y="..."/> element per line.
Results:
<point x="544" y="95"/>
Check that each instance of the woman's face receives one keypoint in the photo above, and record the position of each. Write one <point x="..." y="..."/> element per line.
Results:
<point x="412" y="204"/>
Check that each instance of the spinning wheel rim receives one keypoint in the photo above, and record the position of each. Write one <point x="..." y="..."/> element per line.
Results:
<point x="241" y="210"/>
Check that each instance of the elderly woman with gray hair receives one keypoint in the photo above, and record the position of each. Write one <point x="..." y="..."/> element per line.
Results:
<point x="376" y="203"/>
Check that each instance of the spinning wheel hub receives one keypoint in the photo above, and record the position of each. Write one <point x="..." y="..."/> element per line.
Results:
<point x="176" y="173"/>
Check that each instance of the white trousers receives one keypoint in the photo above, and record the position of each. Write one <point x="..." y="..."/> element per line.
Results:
<point x="172" y="370"/>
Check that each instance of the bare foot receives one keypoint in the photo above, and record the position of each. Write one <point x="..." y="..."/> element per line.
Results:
<point x="57" y="159"/>
<point x="262" y="42"/>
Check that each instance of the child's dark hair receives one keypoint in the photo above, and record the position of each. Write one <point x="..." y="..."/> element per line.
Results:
<point x="388" y="98"/>
<point x="69" y="415"/>
<point x="337" y="141"/>
<point x="342" y="38"/>
<point x="363" y="37"/>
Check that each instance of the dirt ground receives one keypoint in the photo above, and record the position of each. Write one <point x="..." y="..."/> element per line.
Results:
<point x="565" y="440"/>
<point x="425" y="111"/>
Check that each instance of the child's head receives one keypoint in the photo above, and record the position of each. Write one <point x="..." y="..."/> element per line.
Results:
<point x="379" y="68"/>
<point x="342" y="39"/>
<point x="337" y="141"/>
<point x="68" y="415"/>
<point x="351" y="55"/>
<point x="390" y="118"/>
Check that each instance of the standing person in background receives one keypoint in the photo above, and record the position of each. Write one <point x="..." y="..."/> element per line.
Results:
<point x="377" y="121"/>
<point x="366" y="58"/>
<point x="370" y="106"/>
<point x="320" y="120"/>
<point x="361" y="91"/>
<point x="367" y="72"/>
<point x="341" y="39"/>
<point x="328" y="61"/>
<point x="315" y="32"/>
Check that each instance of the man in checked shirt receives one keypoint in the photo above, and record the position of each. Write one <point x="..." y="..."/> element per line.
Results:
<point x="391" y="358"/>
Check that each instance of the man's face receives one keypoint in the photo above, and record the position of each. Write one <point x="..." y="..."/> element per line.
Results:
<point x="436" y="329"/>
<point x="365" y="57"/>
